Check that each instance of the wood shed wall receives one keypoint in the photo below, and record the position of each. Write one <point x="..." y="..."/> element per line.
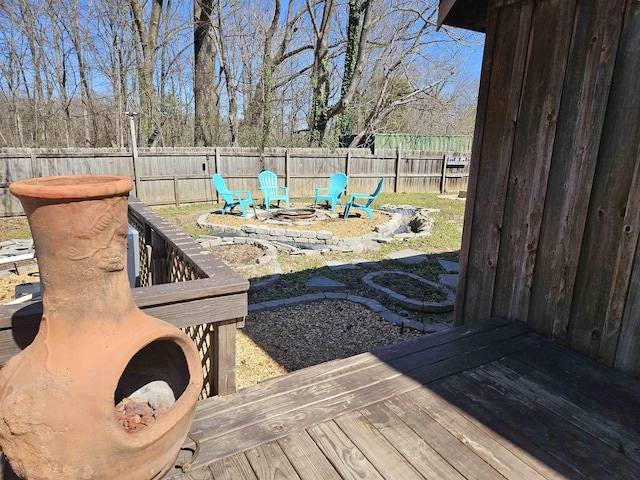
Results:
<point x="553" y="212"/>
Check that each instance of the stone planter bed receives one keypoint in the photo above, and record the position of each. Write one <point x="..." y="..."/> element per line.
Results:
<point x="411" y="303"/>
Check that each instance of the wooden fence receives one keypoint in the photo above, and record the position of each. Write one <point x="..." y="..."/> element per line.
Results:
<point x="175" y="176"/>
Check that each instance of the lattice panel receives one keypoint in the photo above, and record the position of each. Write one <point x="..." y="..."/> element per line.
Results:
<point x="201" y="335"/>
<point x="180" y="270"/>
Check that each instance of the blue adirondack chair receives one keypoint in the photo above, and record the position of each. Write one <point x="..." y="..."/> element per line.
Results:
<point x="331" y="195"/>
<point x="271" y="190"/>
<point x="233" y="198"/>
<point x="362" y="201"/>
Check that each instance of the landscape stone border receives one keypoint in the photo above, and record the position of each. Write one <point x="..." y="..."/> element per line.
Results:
<point x="369" y="303"/>
<point x="412" y="303"/>
<point x="269" y="256"/>
<point x="295" y="234"/>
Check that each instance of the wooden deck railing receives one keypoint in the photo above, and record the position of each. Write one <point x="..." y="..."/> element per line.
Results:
<point x="182" y="284"/>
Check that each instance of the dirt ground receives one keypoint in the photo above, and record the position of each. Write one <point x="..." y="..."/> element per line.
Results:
<point x="8" y="284"/>
<point x="356" y="225"/>
<point x="237" y="255"/>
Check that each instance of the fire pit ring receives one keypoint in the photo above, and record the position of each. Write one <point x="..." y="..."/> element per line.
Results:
<point x="295" y="213"/>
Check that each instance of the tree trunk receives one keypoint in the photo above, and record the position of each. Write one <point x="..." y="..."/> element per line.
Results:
<point x="351" y="55"/>
<point x="204" y="91"/>
<point x="230" y="83"/>
<point x="320" y="78"/>
<point x="148" y="38"/>
<point x="267" y="77"/>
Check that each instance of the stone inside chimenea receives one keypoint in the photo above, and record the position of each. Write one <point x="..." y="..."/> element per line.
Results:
<point x="150" y="384"/>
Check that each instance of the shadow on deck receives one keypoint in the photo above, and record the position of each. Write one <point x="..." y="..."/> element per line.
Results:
<point x="489" y="400"/>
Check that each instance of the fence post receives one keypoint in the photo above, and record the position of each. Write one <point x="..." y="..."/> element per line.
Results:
<point x="396" y="184"/>
<point x="346" y="164"/>
<point x="443" y="180"/>
<point x="32" y="154"/>
<point x="208" y="193"/>
<point x="287" y="168"/>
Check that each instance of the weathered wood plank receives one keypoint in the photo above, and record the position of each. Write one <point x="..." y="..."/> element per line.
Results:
<point x="619" y="345"/>
<point x="269" y="461"/>
<point x="223" y="358"/>
<point x="580" y="120"/>
<point x="482" y="441"/>
<point x="497" y="414"/>
<point x="203" y="473"/>
<point x="604" y="241"/>
<point x="533" y="141"/>
<point x="585" y="452"/>
<point x="455" y="350"/>
<point x="482" y="234"/>
<point x="415" y="449"/>
<point x="210" y="310"/>
<point x="234" y="467"/>
<point x="250" y="408"/>
<point x="306" y="457"/>
<point x="583" y="412"/>
<point x="448" y="446"/>
<point x="272" y="418"/>
<point x="618" y="393"/>
<point x="627" y="352"/>
<point x="18" y="330"/>
<point x="342" y="453"/>
<point x="340" y="367"/>
<point x="375" y="447"/>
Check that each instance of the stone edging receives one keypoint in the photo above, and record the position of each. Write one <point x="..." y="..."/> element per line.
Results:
<point x="279" y="234"/>
<point x="270" y="252"/>
<point x="270" y="255"/>
<point x="411" y="303"/>
<point x="369" y="303"/>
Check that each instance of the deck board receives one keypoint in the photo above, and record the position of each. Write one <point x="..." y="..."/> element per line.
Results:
<point x="370" y="441"/>
<point x="452" y="449"/>
<point x="307" y="458"/>
<point x="410" y="444"/>
<point x="233" y="467"/>
<point x="485" y="401"/>
<point x="342" y="453"/>
<point x="249" y="424"/>
<point x="270" y="461"/>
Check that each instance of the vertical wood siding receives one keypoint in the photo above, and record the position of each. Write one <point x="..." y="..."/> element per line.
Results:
<point x="553" y="215"/>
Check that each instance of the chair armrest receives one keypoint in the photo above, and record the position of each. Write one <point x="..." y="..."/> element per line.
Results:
<point x="239" y="193"/>
<point x="318" y="190"/>
<point x="360" y="195"/>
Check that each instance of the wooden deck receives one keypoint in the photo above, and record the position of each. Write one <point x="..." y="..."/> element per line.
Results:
<point x="489" y="400"/>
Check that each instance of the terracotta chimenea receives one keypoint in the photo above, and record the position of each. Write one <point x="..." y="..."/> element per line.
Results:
<point x="94" y="346"/>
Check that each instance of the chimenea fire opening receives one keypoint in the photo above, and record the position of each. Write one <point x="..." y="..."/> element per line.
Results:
<point x="150" y="385"/>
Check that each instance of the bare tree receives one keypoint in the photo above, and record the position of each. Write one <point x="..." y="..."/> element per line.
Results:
<point x="204" y="88"/>
<point x="148" y="41"/>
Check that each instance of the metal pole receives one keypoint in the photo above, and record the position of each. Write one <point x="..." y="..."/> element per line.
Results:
<point x="134" y="149"/>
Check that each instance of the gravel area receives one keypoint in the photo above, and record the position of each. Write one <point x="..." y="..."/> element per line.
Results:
<point x="290" y="338"/>
<point x="279" y="341"/>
